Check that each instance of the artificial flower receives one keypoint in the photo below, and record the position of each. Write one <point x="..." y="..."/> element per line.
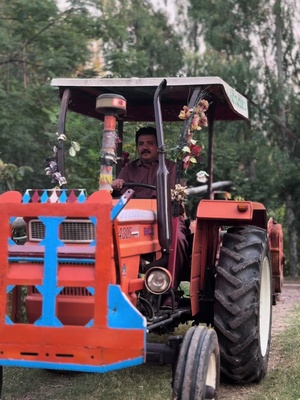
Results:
<point x="191" y="153"/>
<point x="201" y="176"/>
<point x="198" y="114"/>
<point x="179" y="193"/>
<point x="184" y="113"/>
<point x="203" y="105"/>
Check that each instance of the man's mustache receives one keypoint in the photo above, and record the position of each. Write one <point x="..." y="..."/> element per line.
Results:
<point x="146" y="151"/>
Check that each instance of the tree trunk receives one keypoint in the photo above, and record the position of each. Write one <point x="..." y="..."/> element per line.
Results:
<point x="292" y="233"/>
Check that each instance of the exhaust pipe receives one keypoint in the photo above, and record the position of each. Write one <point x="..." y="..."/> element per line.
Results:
<point x="163" y="179"/>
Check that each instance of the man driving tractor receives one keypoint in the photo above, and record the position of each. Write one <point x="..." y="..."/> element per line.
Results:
<point x="143" y="170"/>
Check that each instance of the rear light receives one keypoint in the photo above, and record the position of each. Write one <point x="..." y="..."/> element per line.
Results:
<point x="242" y="207"/>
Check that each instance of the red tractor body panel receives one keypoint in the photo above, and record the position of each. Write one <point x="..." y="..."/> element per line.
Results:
<point x="277" y="255"/>
<point x="212" y="216"/>
<point x="230" y="212"/>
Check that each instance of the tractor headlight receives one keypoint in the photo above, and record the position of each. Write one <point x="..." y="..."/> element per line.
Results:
<point x="158" y="280"/>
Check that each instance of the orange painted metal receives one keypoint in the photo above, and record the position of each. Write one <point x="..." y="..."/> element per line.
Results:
<point x="204" y="253"/>
<point x="275" y="234"/>
<point x="95" y="347"/>
<point x="74" y="344"/>
<point x="223" y="209"/>
<point x="172" y="258"/>
<point x="211" y="217"/>
<point x="11" y="197"/>
<point x="227" y="211"/>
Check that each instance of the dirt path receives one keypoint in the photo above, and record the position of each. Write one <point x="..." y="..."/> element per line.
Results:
<point x="287" y="301"/>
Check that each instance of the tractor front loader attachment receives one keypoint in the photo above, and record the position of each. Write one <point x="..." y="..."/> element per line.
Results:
<point x="115" y="335"/>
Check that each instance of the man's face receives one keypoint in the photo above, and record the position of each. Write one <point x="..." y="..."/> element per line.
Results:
<point x="147" y="148"/>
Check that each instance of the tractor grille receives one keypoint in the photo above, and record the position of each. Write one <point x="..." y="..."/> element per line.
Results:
<point x="77" y="231"/>
<point x="68" y="291"/>
<point x="71" y="231"/>
<point x="36" y="230"/>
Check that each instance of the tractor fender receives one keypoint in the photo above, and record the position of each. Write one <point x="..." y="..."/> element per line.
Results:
<point x="275" y="235"/>
<point x="230" y="212"/>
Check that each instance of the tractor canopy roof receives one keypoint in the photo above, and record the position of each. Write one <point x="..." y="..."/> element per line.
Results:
<point x="227" y="103"/>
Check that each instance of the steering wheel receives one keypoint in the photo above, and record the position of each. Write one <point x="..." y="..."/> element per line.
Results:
<point x="134" y="184"/>
<point x="130" y="185"/>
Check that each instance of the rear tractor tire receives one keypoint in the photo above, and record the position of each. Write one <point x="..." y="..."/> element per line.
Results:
<point x="243" y="304"/>
<point x="197" y="373"/>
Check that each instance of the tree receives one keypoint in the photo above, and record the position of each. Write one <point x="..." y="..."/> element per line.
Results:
<point x="255" y="49"/>
<point x="281" y="80"/>
<point x="128" y="42"/>
<point x="137" y="40"/>
<point x="10" y="174"/>
<point x="37" y="42"/>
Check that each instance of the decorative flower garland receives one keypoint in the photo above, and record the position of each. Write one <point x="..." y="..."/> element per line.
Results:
<point x="51" y="168"/>
<point x="198" y="120"/>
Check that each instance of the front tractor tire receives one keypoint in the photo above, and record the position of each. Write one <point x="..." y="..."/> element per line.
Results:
<point x="243" y="304"/>
<point x="197" y="372"/>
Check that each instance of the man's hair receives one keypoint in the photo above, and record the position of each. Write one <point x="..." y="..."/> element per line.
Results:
<point x="145" y="130"/>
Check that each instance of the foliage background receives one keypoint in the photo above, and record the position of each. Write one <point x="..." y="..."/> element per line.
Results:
<point x="255" y="49"/>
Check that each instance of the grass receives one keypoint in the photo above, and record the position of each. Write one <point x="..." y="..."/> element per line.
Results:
<point x="138" y="383"/>
<point x="153" y="382"/>
<point x="282" y="383"/>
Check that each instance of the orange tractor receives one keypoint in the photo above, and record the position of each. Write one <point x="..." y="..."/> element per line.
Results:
<point x="85" y="290"/>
